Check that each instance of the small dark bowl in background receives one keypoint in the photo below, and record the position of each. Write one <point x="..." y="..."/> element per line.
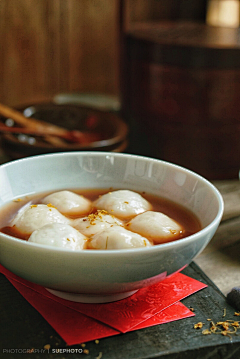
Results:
<point x="112" y="131"/>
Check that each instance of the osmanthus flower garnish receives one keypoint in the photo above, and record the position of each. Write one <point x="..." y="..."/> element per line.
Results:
<point x="227" y="327"/>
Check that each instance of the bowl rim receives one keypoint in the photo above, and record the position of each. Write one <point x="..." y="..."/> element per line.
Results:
<point x="120" y="252"/>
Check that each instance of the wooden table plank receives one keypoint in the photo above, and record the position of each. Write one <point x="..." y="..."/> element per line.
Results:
<point x="221" y="258"/>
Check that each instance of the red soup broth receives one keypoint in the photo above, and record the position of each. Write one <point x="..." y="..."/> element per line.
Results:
<point x="183" y="216"/>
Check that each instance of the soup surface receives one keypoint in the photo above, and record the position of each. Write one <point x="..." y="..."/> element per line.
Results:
<point x="178" y="222"/>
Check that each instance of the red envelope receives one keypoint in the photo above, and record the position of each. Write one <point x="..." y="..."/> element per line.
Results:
<point x="80" y="328"/>
<point x="127" y="313"/>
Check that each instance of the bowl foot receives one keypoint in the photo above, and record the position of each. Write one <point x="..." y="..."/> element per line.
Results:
<point x="91" y="298"/>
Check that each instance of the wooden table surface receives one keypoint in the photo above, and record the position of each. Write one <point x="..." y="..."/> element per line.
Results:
<point x="220" y="260"/>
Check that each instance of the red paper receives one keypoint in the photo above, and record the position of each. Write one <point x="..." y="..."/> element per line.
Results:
<point x="93" y="321"/>
<point x="75" y="327"/>
<point x="127" y="313"/>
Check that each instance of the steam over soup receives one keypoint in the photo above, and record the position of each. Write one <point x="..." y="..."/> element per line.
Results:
<point x="97" y="219"/>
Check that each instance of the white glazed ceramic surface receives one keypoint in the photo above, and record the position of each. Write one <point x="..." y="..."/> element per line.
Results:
<point x="105" y="275"/>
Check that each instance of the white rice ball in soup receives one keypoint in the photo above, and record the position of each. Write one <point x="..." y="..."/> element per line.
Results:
<point x="123" y="203"/>
<point x="69" y="203"/>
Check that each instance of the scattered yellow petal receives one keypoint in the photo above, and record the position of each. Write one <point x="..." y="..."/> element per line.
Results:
<point x="51" y="205"/>
<point x="206" y="331"/>
<point x="199" y="325"/>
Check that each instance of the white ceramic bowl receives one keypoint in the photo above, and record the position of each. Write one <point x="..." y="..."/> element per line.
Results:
<point x="98" y="275"/>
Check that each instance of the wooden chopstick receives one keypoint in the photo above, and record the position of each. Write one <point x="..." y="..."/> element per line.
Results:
<point x="70" y="135"/>
<point x="37" y="125"/>
<point x="19" y="118"/>
<point x="53" y="134"/>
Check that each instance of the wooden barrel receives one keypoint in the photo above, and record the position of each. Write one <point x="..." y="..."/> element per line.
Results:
<point x="181" y="95"/>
